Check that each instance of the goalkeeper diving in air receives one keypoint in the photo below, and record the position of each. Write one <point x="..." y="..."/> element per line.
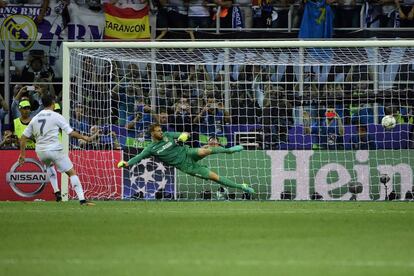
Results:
<point x="184" y="158"/>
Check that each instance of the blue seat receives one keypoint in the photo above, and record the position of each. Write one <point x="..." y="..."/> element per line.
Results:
<point x="121" y="134"/>
<point x="297" y="139"/>
<point x="349" y="131"/>
<point x="396" y="138"/>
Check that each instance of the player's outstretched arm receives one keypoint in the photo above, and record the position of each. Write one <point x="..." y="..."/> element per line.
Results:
<point x="136" y="159"/>
<point x="77" y="135"/>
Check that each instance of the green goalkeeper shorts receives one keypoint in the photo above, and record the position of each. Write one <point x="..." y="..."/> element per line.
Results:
<point x="191" y="167"/>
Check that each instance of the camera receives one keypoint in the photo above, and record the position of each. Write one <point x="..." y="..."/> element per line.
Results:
<point x="31" y="88"/>
<point x="44" y="75"/>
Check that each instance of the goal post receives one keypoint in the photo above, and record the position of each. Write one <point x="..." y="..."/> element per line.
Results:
<point x="308" y="113"/>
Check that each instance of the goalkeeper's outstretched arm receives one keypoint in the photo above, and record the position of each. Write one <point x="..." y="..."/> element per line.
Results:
<point x="136" y="159"/>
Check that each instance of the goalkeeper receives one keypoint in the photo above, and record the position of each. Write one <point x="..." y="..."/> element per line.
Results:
<point x="184" y="158"/>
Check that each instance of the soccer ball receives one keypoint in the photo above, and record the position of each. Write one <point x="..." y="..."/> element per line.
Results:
<point x="388" y="122"/>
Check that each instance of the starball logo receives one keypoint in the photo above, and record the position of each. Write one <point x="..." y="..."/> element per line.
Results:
<point x="37" y="178"/>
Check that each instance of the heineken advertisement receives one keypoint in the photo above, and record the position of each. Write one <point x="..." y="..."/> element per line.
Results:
<point x="302" y="175"/>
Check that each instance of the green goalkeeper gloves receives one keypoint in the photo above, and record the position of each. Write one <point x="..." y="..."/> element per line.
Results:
<point x="122" y="164"/>
<point x="183" y="137"/>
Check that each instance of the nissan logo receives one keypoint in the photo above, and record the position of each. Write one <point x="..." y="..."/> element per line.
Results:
<point x="40" y="178"/>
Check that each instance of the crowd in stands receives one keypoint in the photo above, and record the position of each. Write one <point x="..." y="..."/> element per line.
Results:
<point x="204" y="14"/>
<point x="191" y="98"/>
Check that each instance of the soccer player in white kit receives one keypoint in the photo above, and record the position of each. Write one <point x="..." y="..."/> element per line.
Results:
<point x="44" y="127"/>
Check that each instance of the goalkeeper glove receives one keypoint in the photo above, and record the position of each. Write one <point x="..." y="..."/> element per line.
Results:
<point x="183" y="137"/>
<point x="122" y="164"/>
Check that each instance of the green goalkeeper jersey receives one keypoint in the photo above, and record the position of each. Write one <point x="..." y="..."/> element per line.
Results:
<point x="167" y="150"/>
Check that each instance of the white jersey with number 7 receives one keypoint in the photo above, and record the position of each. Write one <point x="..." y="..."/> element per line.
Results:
<point x="44" y="127"/>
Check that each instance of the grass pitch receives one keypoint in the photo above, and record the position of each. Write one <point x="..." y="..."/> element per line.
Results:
<point x="207" y="238"/>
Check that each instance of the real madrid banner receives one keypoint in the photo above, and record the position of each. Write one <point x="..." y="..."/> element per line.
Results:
<point x="19" y="28"/>
<point x="126" y="22"/>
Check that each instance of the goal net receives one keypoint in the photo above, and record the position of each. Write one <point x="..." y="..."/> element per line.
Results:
<point x="307" y="113"/>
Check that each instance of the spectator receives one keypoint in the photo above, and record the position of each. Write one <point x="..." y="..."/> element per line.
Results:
<point x="401" y="114"/>
<point x="79" y="120"/>
<point x="373" y="12"/>
<point x="9" y="141"/>
<point x="4" y="109"/>
<point x="258" y="78"/>
<point x="162" y="119"/>
<point x="275" y="14"/>
<point x="245" y="7"/>
<point x="407" y="115"/>
<point x="226" y="13"/>
<point x="23" y="93"/>
<point x="389" y="17"/>
<point x="381" y="14"/>
<point x="23" y="121"/>
<point x="162" y="17"/>
<point x="132" y="75"/>
<point x="406" y="13"/>
<point x="198" y="14"/>
<point x="212" y="119"/>
<point x="127" y="96"/>
<point x="42" y="12"/>
<point x="347" y="14"/>
<point x="277" y="118"/>
<point x="139" y="123"/>
<point x="36" y="69"/>
<point x="182" y="120"/>
<point x="15" y="73"/>
<point x="330" y="133"/>
<point x="362" y="114"/>
<point x="244" y="107"/>
<point x="362" y="140"/>
<point x="173" y="14"/>
<point x="165" y="95"/>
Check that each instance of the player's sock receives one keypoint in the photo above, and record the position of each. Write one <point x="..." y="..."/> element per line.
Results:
<point x="229" y="183"/>
<point x="51" y="172"/>
<point x="77" y="186"/>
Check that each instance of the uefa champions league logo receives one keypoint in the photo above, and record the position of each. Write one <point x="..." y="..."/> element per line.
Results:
<point x="148" y="177"/>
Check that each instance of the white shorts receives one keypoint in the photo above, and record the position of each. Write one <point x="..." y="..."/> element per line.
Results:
<point x="57" y="158"/>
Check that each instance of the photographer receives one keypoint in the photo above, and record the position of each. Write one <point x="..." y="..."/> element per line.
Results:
<point x="36" y="68"/>
<point x="138" y="123"/>
<point x="9" y="141"/>
<point x="212" y="119"/>
<point x="329" y="133"/>
<point x="31" y="93"/>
